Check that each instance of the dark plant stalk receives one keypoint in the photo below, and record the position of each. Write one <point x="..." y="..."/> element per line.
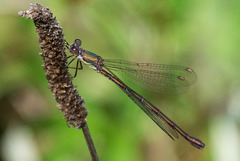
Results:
<point x="52" y="42"/>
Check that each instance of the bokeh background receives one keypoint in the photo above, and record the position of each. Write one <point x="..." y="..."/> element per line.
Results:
<point x="203" y="35"/>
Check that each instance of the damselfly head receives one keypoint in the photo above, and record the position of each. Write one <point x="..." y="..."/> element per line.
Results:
<point x="74" y="48"/>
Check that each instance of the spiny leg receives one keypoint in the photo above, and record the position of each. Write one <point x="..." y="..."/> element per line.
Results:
<point x="71" y="61"/>
<point x="66" y="44"/>
<point x="78" y="61"/>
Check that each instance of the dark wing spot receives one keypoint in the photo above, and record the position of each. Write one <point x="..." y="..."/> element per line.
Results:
<point x="189" y="70"/>
<point x="181" y="78"/>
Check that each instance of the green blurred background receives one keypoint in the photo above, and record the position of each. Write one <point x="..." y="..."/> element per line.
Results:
<point x="203" y="35"/>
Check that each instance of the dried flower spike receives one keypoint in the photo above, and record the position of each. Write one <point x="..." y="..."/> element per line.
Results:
<point x="52" y="43"/>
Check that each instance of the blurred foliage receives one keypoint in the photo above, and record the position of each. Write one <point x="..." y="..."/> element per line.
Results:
<point x="203" y="35"/>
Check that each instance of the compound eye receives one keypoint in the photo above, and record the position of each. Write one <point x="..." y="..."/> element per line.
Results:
<point x="78" y="42"/>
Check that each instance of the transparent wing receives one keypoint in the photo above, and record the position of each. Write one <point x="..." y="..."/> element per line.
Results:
<point x="146" y="107"/>
<point x="160" y="78"/>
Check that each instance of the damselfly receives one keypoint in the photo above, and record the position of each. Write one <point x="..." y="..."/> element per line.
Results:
<point x="156" y="77"/>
